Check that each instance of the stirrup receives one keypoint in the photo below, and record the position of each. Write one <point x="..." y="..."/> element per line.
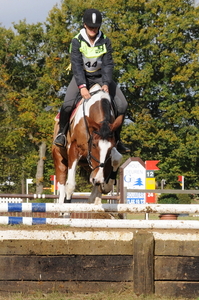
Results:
<point x="60" y="140"/>
<point x="121" y="148"/>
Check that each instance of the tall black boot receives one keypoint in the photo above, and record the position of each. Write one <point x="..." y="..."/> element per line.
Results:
<point x="120" y="146"/>
<point x="60" y="139"/>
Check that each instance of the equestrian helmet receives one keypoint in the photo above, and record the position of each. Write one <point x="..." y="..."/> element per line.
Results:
<point x="92" y="17"/>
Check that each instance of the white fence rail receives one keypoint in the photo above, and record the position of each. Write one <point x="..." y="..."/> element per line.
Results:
<point x="101" y="208"/>
<point x="15" y="204"/>
<point x="101" y="223"/>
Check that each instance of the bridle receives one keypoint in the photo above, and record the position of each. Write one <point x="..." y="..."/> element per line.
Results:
<point x="90" y="156"/>
<point x="90" y="140"/>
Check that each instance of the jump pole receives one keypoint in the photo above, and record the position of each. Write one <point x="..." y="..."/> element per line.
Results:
<point x="101" y="223"/>
<point x="100" y="208"/>
<point x="47" y="196"/>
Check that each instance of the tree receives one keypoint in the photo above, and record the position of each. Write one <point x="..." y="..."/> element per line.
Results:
<point x="156" y="45"/>
<point x="24" y="100"/>
<point x="155" y="49"/>
<point x="8" y="153"/>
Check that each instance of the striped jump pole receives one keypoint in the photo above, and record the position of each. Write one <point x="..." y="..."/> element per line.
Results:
<point x="103" y="223"/>
<point x="92" y="208"/>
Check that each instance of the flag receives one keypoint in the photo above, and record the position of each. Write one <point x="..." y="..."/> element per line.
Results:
<point x="180" y="178"/>
<point x="29" y="181"/>
<point x="52" y="179"/>
<point x="151" y="164"/>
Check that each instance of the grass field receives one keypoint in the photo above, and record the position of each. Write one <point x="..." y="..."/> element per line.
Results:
<point x="123" y="295"/>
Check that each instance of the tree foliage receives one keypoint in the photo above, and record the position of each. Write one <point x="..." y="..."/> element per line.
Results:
<point x="155" y="49"/>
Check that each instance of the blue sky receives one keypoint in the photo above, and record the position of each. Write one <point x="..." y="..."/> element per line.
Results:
<point x="32" y="10"/>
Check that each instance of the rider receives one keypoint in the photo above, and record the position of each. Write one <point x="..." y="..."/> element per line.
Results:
<point x="91" y="60"/>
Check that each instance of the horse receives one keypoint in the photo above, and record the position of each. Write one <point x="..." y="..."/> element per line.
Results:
<point x="90" y="142"/>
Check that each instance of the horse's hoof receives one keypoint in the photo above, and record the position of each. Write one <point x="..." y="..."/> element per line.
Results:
<point x="67" y="200"/>
<point x="98" y="201"/>
<point x="66" y="215"/>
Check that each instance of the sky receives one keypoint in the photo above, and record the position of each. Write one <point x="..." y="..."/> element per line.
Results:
<point x="32" y="10"/>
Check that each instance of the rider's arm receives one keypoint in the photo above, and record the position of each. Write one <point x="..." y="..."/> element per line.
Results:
<point x="78" y="69"/>
<point x="107" y="64"/>
<point x="77" y="63"/>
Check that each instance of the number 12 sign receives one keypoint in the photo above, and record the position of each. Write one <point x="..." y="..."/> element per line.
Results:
<point x="150" y="166"/>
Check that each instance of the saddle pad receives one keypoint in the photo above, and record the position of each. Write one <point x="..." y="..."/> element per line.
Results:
<point x="94" y="88"/>
<point x="57" y="117"/>
<point x="73" y="112"/>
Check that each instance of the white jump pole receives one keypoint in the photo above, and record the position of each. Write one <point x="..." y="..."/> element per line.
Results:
<point x="102" y="223"/>
<point x="92" y="208"/>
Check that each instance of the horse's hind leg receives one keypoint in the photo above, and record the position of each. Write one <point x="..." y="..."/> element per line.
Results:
<point x="70" y="184"/>
<point x="61" y="172"/>
<point x="72" y="166"/>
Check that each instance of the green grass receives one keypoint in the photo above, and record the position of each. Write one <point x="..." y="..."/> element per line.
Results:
<point x="121" y="295"/>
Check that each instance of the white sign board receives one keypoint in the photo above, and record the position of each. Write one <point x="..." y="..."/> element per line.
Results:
<point x="135" y="178"/>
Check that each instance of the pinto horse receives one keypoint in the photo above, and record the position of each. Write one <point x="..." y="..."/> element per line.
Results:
<point x="90" y="139"/>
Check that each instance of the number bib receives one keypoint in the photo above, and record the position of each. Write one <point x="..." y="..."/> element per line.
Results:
<point x="92" y="56"/>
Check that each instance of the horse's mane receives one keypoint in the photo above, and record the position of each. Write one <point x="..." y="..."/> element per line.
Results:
<point x="105" y="131"/>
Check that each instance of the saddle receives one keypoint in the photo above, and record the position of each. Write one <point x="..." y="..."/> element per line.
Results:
<point x="93" y="90"/>
<point x="73" y="112"/>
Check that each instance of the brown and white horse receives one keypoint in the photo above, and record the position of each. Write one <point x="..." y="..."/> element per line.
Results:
<point x="90" y="138"/>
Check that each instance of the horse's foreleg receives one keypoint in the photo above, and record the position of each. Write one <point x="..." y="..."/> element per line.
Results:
<point x="116" y="159"/>
<point x="95" y="196"/>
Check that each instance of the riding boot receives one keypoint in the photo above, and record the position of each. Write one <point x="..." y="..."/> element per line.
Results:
<point x="120" y="146"/>
<point x="60" y="139"/>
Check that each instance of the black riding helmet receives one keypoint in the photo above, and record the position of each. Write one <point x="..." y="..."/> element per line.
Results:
<point x="92" y="17"/>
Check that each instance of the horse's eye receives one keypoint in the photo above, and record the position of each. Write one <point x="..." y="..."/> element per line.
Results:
<point x="94" y="145"/>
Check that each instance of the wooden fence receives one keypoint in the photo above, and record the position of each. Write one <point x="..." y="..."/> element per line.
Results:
<point x="164" y="263"/>
<point x="149" y="260"/>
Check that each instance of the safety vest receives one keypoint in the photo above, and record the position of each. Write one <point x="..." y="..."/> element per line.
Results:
<point x="92" y="56"/>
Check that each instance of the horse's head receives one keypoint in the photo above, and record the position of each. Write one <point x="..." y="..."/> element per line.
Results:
<point x="101" y="143"/>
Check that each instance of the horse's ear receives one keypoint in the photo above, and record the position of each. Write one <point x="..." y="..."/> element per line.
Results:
<point x="117" y="123"/>
<point x="92" y="124"/>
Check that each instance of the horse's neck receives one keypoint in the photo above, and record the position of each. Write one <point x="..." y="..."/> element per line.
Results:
<point x="93" y="107"/>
